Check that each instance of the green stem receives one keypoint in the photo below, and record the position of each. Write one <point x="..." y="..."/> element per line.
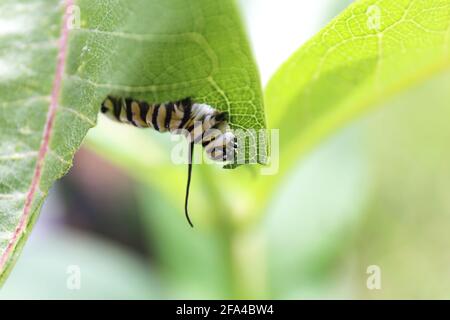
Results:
<point x="238" y="243"/>
<point x="223" y="224"/>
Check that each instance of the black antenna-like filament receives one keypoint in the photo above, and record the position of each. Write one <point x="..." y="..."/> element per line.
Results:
<point x="191" y="153"/>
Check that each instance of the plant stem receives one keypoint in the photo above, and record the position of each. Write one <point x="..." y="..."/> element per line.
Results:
<point x="240" y="244"/>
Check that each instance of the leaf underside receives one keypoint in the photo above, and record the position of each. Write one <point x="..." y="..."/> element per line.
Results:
<point x="371" y="51"/>
<point x="151" y="50"/>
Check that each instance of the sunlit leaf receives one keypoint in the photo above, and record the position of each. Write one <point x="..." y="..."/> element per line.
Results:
<point x="371" y="51"/>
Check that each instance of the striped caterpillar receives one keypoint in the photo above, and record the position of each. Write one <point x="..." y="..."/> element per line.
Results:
<point x="199" y="123"/>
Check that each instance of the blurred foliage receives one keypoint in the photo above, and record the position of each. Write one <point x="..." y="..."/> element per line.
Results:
<point x="107" y="272"/>
<point x="405" y="225"/>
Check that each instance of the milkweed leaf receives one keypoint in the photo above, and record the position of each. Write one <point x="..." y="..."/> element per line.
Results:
<point x="371" y="51"/>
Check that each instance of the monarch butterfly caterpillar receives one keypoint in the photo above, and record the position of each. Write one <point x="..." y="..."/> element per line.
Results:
<point x="199" y="123"/>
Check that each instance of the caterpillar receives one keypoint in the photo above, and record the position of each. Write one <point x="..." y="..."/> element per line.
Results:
<point x="199" y="123"/>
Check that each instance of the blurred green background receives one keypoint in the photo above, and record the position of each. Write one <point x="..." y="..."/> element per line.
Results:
<point x="375" y="193"/>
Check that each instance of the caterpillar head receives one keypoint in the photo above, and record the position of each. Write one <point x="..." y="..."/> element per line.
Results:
<point x="224" y="148"/>
<point x="222" y="117"/>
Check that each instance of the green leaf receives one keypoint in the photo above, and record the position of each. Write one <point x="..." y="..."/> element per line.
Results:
<point x="147" y="49"/>
<point x="370" y="52"/>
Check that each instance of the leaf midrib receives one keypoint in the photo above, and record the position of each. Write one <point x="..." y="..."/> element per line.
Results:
<point x="44" y="146"/>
